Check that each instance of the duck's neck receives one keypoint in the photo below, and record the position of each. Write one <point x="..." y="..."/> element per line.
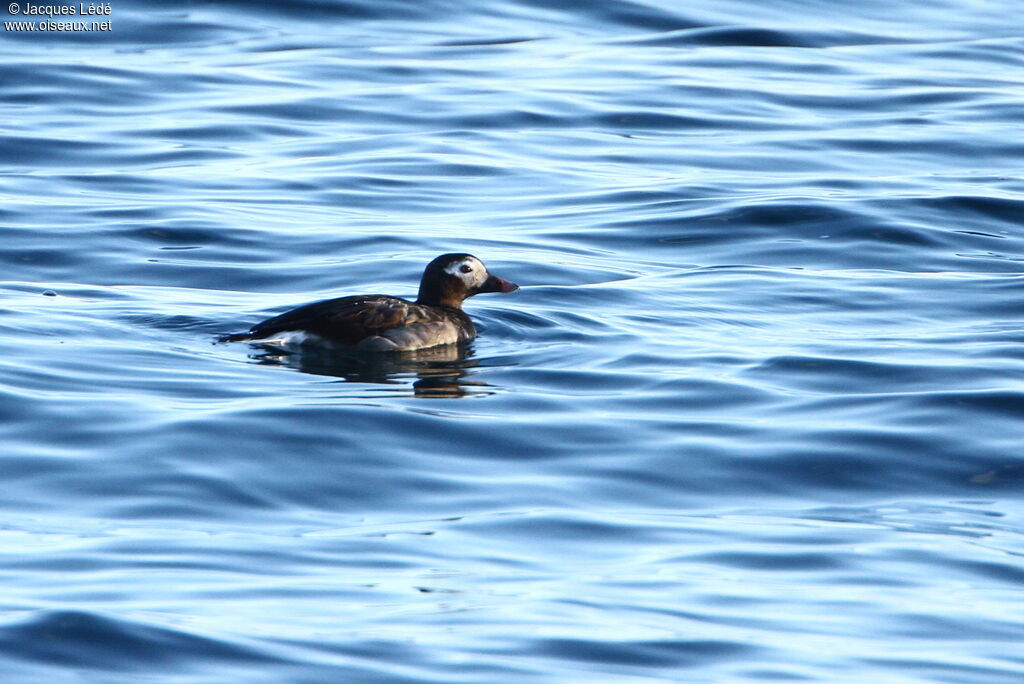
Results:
<point x="431" y="294"/>
<point x="450" y="302"/>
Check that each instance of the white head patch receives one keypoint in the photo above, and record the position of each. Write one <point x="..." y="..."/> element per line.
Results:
<point x="470" y="270"/>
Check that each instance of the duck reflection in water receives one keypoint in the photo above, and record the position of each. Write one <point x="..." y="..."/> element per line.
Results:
<point x="439" y="372"/>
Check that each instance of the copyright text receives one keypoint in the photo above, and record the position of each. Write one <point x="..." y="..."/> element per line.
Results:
<point x="92" y="11"/>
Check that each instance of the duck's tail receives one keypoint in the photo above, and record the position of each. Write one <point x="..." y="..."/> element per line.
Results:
<point x="235" y="337"/>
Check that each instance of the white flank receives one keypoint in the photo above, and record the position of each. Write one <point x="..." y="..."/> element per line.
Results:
<point x="291" y="337"/>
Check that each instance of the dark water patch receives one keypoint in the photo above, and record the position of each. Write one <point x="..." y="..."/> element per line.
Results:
<point x="97" y="88"/>
<point x="995" y="402"/>
<point x="168" y="321"/>
<point x="43" y="258"/>
<point x="631" y="121"/>
<point x="557" y="528"/>
<point x="994" y="151"/>
<point x="411" y="167"/>
<point x="122" y="182"/>
<point x="775" y="562"/>
<point x="736" y="222"/>
<point x="693" y="395"/>
<point x="88" y="640"/>
<point x="33" y="151"/>
<point x="978" y="209"/>
<point x="900" y="99"/>
<point x="832" y="376"/>
<point x="670" y="654"/>
<point x="620" y="15"/>
<point x="753" y="36"/>
<point x="167" y="233"/>
<point x="486" y="42"/>
<point x="1008" y="572"/>
<point x="236" y="132"/>
<point x="24" y="151"/>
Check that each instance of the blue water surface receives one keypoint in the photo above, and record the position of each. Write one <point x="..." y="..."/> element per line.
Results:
<point x="755" y="414"/>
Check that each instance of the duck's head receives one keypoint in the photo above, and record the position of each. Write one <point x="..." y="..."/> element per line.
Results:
<point x="451" y="278"/>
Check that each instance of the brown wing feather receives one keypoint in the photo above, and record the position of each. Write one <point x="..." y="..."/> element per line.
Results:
<point x="347" y="319"/>
<point x="376" y="315"/>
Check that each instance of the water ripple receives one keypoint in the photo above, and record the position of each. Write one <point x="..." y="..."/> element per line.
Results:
<point x="754" y="414"/>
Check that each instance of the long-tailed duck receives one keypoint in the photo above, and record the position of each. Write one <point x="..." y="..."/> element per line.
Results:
<point x="383" y="323"/>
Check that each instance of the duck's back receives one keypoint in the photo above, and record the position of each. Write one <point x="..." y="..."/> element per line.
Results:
<point x="377" y="322"/>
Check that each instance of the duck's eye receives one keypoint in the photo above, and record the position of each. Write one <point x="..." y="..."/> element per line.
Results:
<point x="465" y="268"/>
